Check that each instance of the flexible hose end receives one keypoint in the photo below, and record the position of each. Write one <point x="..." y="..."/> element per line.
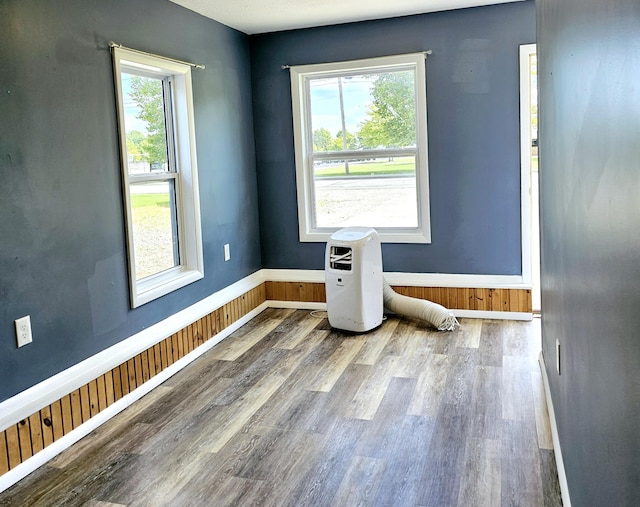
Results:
<point x="437" y="315"/>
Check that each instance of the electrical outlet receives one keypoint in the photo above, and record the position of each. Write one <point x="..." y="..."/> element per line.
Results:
<point x="558" y="355"/>
<point x="23" y="331"/>
<point x="227" y="252"/>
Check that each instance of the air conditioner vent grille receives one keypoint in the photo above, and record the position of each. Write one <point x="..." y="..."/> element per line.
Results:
<point x="341" y="258"/>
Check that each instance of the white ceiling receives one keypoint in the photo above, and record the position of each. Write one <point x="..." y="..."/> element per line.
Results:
<point x="261" y="16"/>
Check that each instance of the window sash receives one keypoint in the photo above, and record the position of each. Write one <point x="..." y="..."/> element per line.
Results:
<point x="168" y="248"/>
<point x="359" y="154"/>
<point x="169" y="123"/>
<point x="345" y="199"/>
<point x="352" y="74"/>
<point x="181" y="170"/>
<point x="306" y="156"/>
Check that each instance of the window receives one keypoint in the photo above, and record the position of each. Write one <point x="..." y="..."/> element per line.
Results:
<point x="360" y="131"/>
<point x="159" y="172"/>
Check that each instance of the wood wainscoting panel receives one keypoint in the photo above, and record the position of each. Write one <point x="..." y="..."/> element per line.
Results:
<point x="29" y="436"/>
<point x="454" y="298"/>
<point x="13" y="446"/>
<point x="4" y="456"/>
<point x="296" y="291"/>
<point x="482" y="299"/>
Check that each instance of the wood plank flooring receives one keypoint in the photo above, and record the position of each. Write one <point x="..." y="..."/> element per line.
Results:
<point x="288" y="412"/>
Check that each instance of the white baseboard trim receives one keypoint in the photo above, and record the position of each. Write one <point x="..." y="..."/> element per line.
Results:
<point x="294" y="275"/>
<point x="51" y="451"/>
<point x="458" y="281"/>
<point x="298" y="305"/>
<point x="562" y="476"/>
<point x="486" y="314"/>
<point x="409" y="279"/>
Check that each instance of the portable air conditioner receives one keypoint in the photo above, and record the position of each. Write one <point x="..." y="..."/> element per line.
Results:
<point x="353" y="278"/>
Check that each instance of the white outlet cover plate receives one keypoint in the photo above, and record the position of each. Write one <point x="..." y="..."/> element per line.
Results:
<point x="23" y="330"/>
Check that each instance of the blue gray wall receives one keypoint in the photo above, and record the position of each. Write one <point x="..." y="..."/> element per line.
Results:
<point x="62" y="246"/>
<point x="589" y="70"/>
<point x="473" y="116"/>
<point x="63" y="254"/>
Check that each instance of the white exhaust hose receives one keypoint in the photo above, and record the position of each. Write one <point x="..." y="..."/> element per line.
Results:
<point x="436" y="315"/>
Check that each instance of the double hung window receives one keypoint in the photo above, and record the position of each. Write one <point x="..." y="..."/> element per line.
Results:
<point x="160" y="179"/>
<point x="360" y="133"/>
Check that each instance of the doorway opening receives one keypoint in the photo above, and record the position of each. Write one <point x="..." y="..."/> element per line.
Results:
<point x="530" y="171"/>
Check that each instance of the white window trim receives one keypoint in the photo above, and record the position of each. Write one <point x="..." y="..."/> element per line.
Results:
<point x="526" y="50"/>
<point x="304" y="167"/>
<point x="191" y="261"/>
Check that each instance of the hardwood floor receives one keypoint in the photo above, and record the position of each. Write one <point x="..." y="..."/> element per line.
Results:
<point x="288" y="412"/>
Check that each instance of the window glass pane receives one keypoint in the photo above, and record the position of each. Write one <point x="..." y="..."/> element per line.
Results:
<point x="155" y="235"/>
<point x="145" y="127"/>
<point x="379" y="192"/>
<point x="363" y="111"/>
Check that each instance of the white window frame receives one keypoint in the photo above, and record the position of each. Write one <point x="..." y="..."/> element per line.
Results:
<point x="191" y="264"/>
<point x="303" y="140"/>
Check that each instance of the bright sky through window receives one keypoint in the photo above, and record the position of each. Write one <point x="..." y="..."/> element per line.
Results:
<point x="326" y="103"/>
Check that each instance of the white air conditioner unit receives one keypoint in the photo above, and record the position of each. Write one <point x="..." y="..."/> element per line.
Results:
<point x="353" y="278"/>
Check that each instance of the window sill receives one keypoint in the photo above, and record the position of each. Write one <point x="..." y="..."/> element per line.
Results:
<point x="159" y="285"/>
<point x="418" y="236"/>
